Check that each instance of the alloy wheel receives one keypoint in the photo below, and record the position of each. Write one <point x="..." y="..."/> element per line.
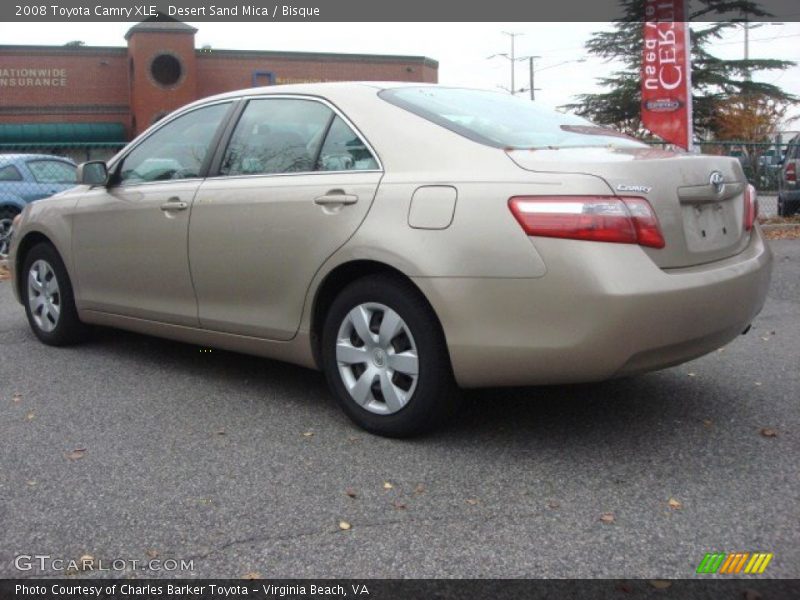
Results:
<point x="44" y="296"/>
<point x="377" y="358"/>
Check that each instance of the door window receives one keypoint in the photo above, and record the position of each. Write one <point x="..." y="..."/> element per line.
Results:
<point x="279" y="135"/>
<point x="343" y="150"/>
<point x="176" y="150"/>
<point x="10" y="173"/>
<point x="52" y="171"/>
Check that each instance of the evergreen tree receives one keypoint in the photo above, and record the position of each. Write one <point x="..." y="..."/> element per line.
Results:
<point x="713" y="79"/>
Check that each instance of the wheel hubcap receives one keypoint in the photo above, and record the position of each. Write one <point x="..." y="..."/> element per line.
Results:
<point x="377" y="358"/>
<point x="44" y="296"/>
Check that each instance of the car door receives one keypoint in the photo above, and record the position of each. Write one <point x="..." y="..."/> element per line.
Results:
<point x="130" y="238"/>
<point x="293" y="184"/>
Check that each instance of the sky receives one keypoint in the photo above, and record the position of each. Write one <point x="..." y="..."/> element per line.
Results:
<point x="462" y="49"/>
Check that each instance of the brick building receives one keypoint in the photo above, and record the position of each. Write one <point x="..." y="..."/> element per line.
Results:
<point x="86" y="94"/>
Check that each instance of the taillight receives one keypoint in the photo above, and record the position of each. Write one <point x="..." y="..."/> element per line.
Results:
<point x="750" y="207"/>
<point x="791" y="172"/>
<point x="622" y="220"/>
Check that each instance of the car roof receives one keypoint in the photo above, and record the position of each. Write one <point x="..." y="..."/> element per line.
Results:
<point x="17" y="158"/>
<point x="312" y="89"/>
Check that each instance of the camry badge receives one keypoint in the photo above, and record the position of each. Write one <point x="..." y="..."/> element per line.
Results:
<point x="717" y="181"/>
<point x="642" y="189"/>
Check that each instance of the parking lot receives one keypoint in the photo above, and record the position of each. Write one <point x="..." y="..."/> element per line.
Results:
<point x="134" y="448"/>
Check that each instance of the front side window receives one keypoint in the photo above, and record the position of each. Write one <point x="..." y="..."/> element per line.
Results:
<point x="343" y="150"/>
<point x="52" y="171"/>
<point x="278" y="135"/>
<point x="10" y="173"/>
<point x="502" y="120"/>
<point x="177" y="150"/>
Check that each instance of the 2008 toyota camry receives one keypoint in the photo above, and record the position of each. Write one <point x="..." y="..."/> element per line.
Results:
<point x="405" y="239"/>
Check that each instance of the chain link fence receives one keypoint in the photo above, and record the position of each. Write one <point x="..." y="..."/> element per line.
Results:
<point x="762" y="164"/>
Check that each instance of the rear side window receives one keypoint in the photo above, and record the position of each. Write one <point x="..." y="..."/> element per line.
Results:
<point x="52" y="171"/>
<point x="277" y="135"/>
<point x="502" y="120"/>
<point x="10" y="173"/>
<point x="343" y="150"/>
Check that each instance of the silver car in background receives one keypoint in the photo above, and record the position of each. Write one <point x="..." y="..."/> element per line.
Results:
<point x="408" y="240"/>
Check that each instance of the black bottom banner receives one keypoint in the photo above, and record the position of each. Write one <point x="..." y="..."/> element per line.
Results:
<point x="380" y="589"/>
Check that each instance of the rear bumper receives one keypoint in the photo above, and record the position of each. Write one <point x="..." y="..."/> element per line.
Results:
<point x="600" y="311"/>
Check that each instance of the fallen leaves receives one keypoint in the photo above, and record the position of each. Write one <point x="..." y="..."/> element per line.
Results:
<point x="31" y="482"/>
<point x="221" y="431"/>
<point x="4" y="273"/>
<point x="399" y="505"/>
<point x="608" y="518"/>
<point x="76" y="454"/>
<point x="251" y="575"/>
<point x="420" y="489"/>
<point x="553" y="504"/>
<point x="30" y="416"/>
<point x="387" y="485"/>
<point x="782" y="233"/>
<point x="769" y="432"/>
<point x="350" y="492"/>
<point x="659" y="584"/>
<point x="308" y="434"/>
<point x="344" y="526"/>
<point x="16" y="398"/>
<point x="85" y="562"/>
<point x="151" y="553"/>
<point x="708" y="423"/>
<point x="472" y="501"/>
<point x="675" y="504"/>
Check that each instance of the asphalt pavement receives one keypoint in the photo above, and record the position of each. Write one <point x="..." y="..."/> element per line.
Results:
<point x="134" y="448"/>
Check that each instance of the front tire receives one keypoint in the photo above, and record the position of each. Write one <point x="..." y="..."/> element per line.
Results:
<point x="385" y="358"/>
<point x="48" y="298"/>
<point x="7" y="214"/>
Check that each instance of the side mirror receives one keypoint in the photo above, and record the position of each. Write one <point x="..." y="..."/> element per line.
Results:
<point x="93" y="172"/>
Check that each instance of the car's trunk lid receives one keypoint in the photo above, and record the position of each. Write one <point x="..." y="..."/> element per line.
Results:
<point x="701" y="219"/>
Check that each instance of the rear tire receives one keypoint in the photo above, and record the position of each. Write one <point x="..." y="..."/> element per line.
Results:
<point x="385" y="358"/>
<point x="7" y="214"/>
<point x="48" y="298"/>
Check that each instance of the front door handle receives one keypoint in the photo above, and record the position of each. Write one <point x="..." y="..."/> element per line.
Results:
<point x="336" y="197"/>
<point x="174" y="204"/>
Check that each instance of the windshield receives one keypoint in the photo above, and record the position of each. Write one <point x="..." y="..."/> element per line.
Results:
<point x="502" y="120"/>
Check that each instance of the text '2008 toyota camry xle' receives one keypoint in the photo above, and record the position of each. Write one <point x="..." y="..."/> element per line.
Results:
<point x="408" y="240"/>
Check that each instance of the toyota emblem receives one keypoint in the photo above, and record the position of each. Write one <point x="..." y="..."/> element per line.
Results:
<point x="717" y="180"/>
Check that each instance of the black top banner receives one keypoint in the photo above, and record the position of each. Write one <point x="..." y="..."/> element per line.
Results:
<point x="372" y="11"/>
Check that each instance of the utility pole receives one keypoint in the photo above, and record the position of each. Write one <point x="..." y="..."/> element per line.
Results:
<point x="747" y="46"/>
<point x="512" y="60"/>
<point x="533" y="86"/>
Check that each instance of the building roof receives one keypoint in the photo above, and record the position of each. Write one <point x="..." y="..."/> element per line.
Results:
<point x="161" y="23"/>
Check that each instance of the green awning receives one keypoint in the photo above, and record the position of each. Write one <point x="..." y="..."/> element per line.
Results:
<point x="61" y="133"/>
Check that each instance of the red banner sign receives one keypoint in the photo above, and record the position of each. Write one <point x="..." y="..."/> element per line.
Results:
<point x="666" y="72"/>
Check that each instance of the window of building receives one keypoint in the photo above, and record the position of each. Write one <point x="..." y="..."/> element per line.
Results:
<point x="166" y="69"/>
<point x="176" y="150"/>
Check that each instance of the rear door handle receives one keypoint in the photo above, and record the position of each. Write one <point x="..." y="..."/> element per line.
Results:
<point x="336" y="197"/>
<point x="174" y="204"/>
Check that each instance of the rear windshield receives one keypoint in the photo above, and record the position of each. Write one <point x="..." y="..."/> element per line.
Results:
<point x="502" y="120"/>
